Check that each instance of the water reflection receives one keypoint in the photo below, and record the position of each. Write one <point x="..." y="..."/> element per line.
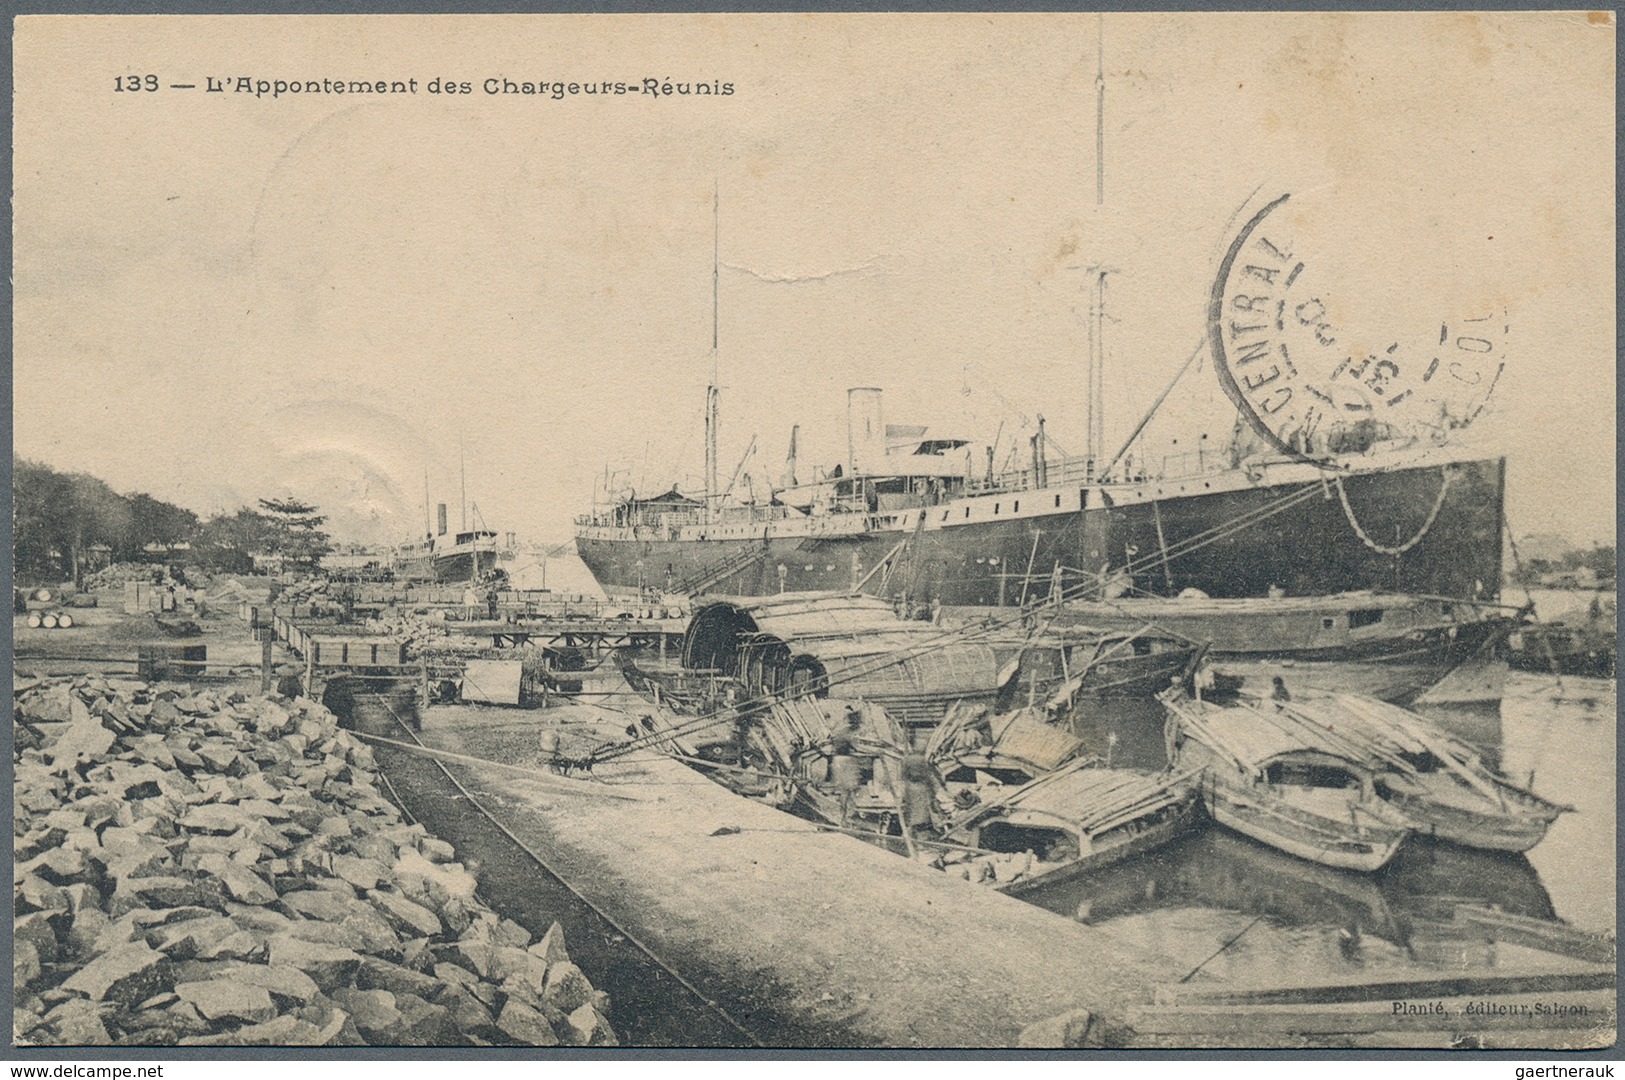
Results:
<point x="1193" y="896"/>
<point x="1220" y="870"/>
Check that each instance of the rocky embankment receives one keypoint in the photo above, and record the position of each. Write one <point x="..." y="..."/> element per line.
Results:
<point x="197" y="868"/>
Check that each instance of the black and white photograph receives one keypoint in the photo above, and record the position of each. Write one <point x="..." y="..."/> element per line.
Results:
<point x="576" y="534"/>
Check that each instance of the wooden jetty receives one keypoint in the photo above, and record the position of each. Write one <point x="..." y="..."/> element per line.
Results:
<point x="328" y="649"/>
<point x="1492" y="1010"/>
<point x="750" y="902"/>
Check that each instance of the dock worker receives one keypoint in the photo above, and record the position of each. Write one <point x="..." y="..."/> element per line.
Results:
<point x="548" y="750"/>
<point x="288" y="683"/>
<point x="845" y="770"/>
<point x="918" y="781"/>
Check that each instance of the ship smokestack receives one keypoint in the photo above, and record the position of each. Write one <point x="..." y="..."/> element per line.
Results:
<point x="441" y="510"/>
<point x="865" y="431"/>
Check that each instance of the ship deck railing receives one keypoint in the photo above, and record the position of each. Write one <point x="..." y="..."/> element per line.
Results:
<point x="1081" y="471"/>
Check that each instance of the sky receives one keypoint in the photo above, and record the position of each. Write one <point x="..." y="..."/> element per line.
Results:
<point x="348" y="298"/>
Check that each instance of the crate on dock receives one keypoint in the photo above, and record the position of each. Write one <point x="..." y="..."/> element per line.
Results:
<point x="158" y="662"/>
<point x="356" y="652"/>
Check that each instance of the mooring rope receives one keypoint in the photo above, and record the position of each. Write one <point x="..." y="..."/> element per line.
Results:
<point x="1445" y="480"/>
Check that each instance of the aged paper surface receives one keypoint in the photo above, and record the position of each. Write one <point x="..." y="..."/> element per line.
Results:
<point x="345" y="259"/>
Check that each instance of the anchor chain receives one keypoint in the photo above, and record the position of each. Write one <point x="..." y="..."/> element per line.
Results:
<point x="1445" y="480"/>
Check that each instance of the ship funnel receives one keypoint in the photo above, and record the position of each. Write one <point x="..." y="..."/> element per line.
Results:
<point x="441" y="509"/>
<point x="865" y="431"/>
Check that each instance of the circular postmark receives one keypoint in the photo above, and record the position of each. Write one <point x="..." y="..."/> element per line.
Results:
<point x="1296" y="376"/>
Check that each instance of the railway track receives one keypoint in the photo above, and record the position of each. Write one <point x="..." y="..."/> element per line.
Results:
<point x="651" y="1004"/>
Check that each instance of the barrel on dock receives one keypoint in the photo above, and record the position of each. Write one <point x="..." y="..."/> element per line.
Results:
<point x="158" y="662"/>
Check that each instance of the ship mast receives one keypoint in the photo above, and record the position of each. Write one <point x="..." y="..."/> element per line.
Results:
<point x="1095" y="380"/>
<point x="712" y="392"/>
<point x="1100" y="109"/>
<point x="1095" y="377"/>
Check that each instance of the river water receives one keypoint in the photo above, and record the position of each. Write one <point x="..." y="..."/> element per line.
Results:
<point x="1238" y="910"/>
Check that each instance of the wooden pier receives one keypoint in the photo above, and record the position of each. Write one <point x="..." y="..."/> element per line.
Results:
<point x="845" y="938"/>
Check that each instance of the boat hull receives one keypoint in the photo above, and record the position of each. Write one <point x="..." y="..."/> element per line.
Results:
<point x="1112" y="670"/>
<point x="460" y="567"/>
<point x="1515" y="830"/>
<point x="1305" y="537"/>
<point x="1401" y="649"/>
<point x="1243" y="815"/>
<point x="1181" y="819"/>
<point x="414" y="568"/>
<point x="446" y="568"/>
<point x="1562" y="650"/>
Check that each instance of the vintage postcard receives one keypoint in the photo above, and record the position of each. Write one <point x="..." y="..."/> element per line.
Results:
<point x="831" y="531"/>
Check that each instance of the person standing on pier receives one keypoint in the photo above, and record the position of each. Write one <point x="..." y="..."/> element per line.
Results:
<point x="548" y="750"/>
<point x="845" y="770"/>
<point x="919" y="791"/>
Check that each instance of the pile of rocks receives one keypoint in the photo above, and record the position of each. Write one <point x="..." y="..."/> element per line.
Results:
<point x="311" y="590"/>
<point x="422" y="634"/>
<point x="225" y="590"/>
<point x="194" y="868"/>
<point x="112" y="578"/>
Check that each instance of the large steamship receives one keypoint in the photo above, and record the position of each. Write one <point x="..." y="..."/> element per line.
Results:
<point x="466" y="557"/>
<point x="1320" y="490"/>
<point x="918" y="518"/>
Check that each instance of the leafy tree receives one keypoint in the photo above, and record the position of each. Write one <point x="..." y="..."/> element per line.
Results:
<point x="38" y="493"/>
<point x="59" y="517"/>
<point x="97" y="515"/>
<point x="153" y="521"/>
<point x="1601" y="559"/>
<point x="229" y="542"/>
<point x="296" y="531"/>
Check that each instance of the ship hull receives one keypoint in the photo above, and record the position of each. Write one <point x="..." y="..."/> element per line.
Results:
<point x="414" y="568"/>
<point x="1401" y="649"/>
<point x="1430" y="529"/>
<point x="1562" y="650"/>
<point x="460" y="567"/>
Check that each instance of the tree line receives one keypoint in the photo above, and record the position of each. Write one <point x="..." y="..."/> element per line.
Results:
<point x="1599" y="560"/>
<point x="60" y="520"/>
